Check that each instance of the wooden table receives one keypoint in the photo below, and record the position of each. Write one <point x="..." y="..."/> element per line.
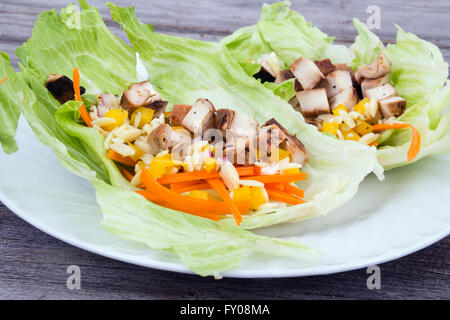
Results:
<point x="33" y="264"/>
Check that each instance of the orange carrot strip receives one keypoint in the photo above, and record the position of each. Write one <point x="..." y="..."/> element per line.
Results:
<point x="184" y="203"/>
<point x="149" y="196"/>
<point x="127" y="174"/>
<point x="373" y="144"/>
<point x="281" y="196"/>
<point x="3" y="80"/>
<point x="278" y="178"/>
<point x="219" y="187"/>
<point x="192" y="187"/>
<point x="121" y="159"/>
<point x="294" y="190"/>
<point x="414" y="148"/>
<point x="279" y="185"/>
<point x="76" y="88"/>
<point x="200" y="175"/>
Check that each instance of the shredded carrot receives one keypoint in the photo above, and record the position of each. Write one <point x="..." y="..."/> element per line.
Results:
<point x="414" y="148"/>
<point x="121" y="159"/>
<point x="3" y="80"/>
<point x="373" y="144"/>
<point x="279" y="185"/>
<point x="76" y="88"/>
<point x="294" y="190"/>
<point x="200" y="175"/>
<point x="191" y="187"/>
<point x="219" y="187"/>
<point x="185" y="203"/>
<point x="282" y="196"/>
<point x="278" y="178"/>
<point x="149" y="196"/>
<point x="167" y="113"/>
<point x="127" y="174"/>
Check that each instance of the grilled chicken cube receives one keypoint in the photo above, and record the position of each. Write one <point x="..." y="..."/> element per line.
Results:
<point x="61" y="87"/>
<point x="227" y="119"/>
<point x="380" y="93"/>
<point x="162" y="138"/>
<point x="270" y="137"/>
<point x="392" y="107"/>
<point x="178" y="113"/>
<point x="336" y="82"/>
<point x="306" y="72"/>
<point x="284" y="75"/>
<point x="325" y="66"/>
<point x="313" y="102"/>
<point x="292" y="144"/>
<point x="368" y="84"/>
<point x="347" y="97"/>
<point x="201" y="117"/>
<point x="241" y="151"/>
<point x="159" y="107"/>
<point x="140" y="94"/>
<point x="378" y="68"/>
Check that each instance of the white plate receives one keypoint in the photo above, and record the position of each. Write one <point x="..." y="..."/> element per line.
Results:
<point x="405" y="213"/>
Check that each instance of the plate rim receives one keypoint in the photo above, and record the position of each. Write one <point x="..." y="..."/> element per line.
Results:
<point x="234" y="273"/>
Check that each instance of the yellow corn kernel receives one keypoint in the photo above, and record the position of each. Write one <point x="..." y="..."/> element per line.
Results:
<point x="360" y="107"/>
<point x="117" y="114"/>
<point x="242" y="194"/>
<point x="146" y="116"/>
<point x="330" y="127"/>
<point x="278" y="155"/>
<point x="258" y="197"/>
<point x="362" y="127"/>
<point x="138" y="153"/>
<point x="141" y="164"/>
<point x="209" y="147"/>
<point x="198" y="194"/>
<point x="291" y="171"/>
<point x="339" y="108"/>
<point x="210" y="164"/>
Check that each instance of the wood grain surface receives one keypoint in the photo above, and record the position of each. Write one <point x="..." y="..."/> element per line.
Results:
<point x="33" y="264"/>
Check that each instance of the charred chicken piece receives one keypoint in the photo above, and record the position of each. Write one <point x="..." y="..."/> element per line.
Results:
<point x="392" y="107"/>
<point x="347" y="97"/>
<point x="306" y="72"/>
<point x="61" y="87"/>
<point x="368" y="84"/>
<point x="141" y="94"/>
<point x="292" y="144"/>
<point x="313" y="102"/>
<point x="201" y="117"/>
<point x="378" y="68"/>
<point x="178" y="113"/>
<point x="380" y="93"/>
<point x="325" y="66"/>
<point x="163" y="138"/>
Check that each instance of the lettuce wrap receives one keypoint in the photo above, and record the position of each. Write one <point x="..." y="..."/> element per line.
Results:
<point x="418" y="72"/>
<point x="182" y="70"/>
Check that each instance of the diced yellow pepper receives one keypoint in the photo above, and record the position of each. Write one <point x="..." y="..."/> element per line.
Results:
<point x="339" y="108"/>
<point x="198" y="194"/>
<point x="360" y="107"/>
<point x="210" y="164"/>
<point x="141" y="164"/>
<point x="242" y="194"/>
<point x="291" y="171"/>
<point x="278" y="154"/>
<point x="330" y="127"/>
<point x="117" y="114"/>
<point x="160" y="165"/>
<point x="146" y="116"/>
<point x="138" y="153"/>
<point x="362" y="127"/>
<point x="351" y="135"/>
<point x="258" y="197"/>
<point x="209" y="147"/>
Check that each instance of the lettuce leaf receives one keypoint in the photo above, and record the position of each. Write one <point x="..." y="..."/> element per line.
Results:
<point x="106" y="64"/>
<point x="288" y="34"/>
<point x="11" y="96"/>
<point x="418" y="71"/>
<point x="419" y="74"/>
<point x="186" y="69"/>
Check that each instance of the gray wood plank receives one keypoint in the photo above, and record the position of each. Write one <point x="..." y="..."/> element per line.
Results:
<point x="33" y="264"/>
